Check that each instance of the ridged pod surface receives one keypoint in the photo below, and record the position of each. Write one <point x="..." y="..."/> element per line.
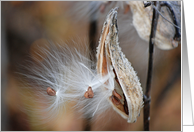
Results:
<point x="127" y="94"/>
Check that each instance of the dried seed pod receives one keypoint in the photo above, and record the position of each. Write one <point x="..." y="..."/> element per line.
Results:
<point x="142" y="19"/>
<point x="128" y="99"/>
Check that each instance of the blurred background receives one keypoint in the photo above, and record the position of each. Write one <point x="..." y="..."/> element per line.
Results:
<point x="28" y="25"/>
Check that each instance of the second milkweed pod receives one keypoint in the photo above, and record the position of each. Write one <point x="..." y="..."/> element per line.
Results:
<point x="167" y="35"/>
<point x="127" y="94"/>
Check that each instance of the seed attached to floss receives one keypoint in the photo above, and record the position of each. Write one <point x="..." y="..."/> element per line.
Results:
<point x="51" y="91"/>
<point x="89" y="93"/>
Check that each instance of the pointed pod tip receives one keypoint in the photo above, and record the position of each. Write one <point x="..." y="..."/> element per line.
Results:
<point x="116" y="8"/>
<point x="112" y="16"/>
<point x="113" y="12"/>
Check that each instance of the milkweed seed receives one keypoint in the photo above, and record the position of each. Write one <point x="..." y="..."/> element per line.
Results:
<point x="115" y="100"/>
<point x="89" y="93"/>
<point x="116" y="94"/>
<point x="51" y="91"/>
<point x="86" y="94"/>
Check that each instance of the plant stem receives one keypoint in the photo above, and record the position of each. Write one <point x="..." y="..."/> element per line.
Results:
<point x="92" y="39"/>
<point x="147" y="96"/>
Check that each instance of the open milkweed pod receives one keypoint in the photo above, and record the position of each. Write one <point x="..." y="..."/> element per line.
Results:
<point x="127" y="95"/>
<point x="166" y="37"/>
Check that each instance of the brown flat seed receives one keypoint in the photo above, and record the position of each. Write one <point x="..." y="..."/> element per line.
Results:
<point x="89" y="93"/>
<point x="116" y="94"/>
<point x="115" y="100"/>
<point x="51" y="91"/>
<point x="86" y="95"/>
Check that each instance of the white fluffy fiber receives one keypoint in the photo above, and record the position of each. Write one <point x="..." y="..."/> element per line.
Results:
<point x="68" y="71"/>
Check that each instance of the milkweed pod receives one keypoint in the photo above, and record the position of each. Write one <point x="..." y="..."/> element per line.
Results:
<point x="127" y="95"/>
<point x="142" y="19"/>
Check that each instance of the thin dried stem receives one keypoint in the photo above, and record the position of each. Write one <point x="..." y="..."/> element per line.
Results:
<point x="147" y="96"/>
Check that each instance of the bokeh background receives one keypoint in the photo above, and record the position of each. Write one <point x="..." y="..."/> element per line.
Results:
<point x="28" y="25"/>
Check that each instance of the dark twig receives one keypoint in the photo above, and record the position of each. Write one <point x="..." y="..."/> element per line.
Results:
<point x="150" y="64"/>
<point x="156" y="11"/>
<point x="93" y="39"/>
